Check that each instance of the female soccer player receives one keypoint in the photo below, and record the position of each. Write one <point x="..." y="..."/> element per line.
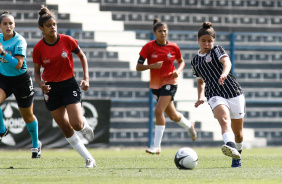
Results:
<point x="61" y="92"/>
<point x="211" y="66"/>
<point x="14" y="79"/>
<point x="160" y="55"/>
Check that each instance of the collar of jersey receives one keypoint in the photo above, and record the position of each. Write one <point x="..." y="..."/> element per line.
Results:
<point x="202" y="55"/>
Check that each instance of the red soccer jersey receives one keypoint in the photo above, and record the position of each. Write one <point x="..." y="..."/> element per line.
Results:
<point x="56" y="59"/>
<point x="168" y="54"/>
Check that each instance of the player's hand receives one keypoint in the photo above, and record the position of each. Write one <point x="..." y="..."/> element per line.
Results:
<point x="199" y="102"/>
<point x="45" y="88"/>
<point x="157" y="65"/>
<point x="222" y="79"/>
<point x="84" y="84"/>
<point x="175" y="74"/>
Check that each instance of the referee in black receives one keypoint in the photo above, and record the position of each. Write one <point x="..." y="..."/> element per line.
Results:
<point x="211" y="66"/>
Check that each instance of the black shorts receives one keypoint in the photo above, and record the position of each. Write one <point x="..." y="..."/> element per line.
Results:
<point x="62" y="94"/>
<point x="166" y="90"/>
<point x="21" y="86"/>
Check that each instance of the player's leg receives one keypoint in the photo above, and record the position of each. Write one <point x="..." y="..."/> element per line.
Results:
<point x="23" y="91"/>
<point x="176" y="116"/>
<point x="78" y="122"/>
<point x="222" y="114"/>
<point x="237" y="113"/>
<point x="3" y="129"/>
<point x="237" y="127"/>
<point x="61" y="117"/>
<point x="163" y="102"/>
<point x="32" y="126"/>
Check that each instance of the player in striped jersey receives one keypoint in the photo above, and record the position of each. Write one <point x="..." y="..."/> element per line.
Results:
<point x="160" y="55"/>
<point x="211" y="66"/>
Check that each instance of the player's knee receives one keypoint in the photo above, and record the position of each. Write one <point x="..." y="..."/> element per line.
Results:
<point x="174" y="117"/>
<point x="158" y="112"/>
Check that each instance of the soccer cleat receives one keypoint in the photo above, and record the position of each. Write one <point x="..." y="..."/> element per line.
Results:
<point x="3" y="134"/>
<point x="228" y="150"/>
<point x="154" y="150"/>
<point x="192" y="131"/>
<point x="87" y="132"/>
<point x="36" y="152"/>
<point x="236" y="162"/>
<point x="90" y="163"/>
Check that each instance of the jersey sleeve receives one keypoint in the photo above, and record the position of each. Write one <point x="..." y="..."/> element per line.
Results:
<point x="195" y="74"/>
<point x="20" y="47"/>
<point x="144" y="51"/>
<point x="220" y="52"/>
<point x="36" y="55"/>
<point x="177" y="53"/>
<point x="73" y="45"/>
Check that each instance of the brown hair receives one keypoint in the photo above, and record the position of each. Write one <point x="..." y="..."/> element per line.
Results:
<point x="206" y="29"/>
<point x="157" y="24"/>
<point x="5" y="14"/>
<point x="44" y="15"/>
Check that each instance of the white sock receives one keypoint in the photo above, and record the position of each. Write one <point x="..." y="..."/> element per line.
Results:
<point x="185" y="123"/>
<point x="78" y="146"/>
<point x="84" y="125"/>
<point x="228" y="137"/>
<point x="159" y="131"/>
<point x="239" y="146"/>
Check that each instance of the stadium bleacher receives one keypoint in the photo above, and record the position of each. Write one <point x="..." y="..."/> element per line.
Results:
<point x="255" y="22"/>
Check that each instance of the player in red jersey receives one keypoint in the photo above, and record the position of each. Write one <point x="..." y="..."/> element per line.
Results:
<point x="160" y="55"/>
<point x="61" y="91"/>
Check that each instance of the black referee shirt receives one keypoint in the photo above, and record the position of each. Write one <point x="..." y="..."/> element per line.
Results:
<point x="209" y="68"/>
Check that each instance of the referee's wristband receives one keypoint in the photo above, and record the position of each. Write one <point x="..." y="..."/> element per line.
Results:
<point x="13" y="61"/>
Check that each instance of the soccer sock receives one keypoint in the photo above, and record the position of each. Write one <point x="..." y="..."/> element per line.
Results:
<point x="84" y="125"/>
<point x="2" y="125"/>
<point x="159" y="131"/>
<point x="185" y="123"/>
<point x="33" y="130"/>
<point x="239" y="146"/>
<point x="78" y="146"/>
<point x="228" y="137"/>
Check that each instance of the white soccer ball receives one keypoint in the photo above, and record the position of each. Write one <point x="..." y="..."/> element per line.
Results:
<point x="186" y="158"/>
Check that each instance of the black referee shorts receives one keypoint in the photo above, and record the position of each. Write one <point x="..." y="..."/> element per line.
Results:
<point x="62" y="94"/>
<point x="21" y="86"/>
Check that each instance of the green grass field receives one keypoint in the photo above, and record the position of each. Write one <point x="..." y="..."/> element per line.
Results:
<point x="133" y="165"/>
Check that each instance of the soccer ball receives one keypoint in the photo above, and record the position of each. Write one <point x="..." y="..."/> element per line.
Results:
<point x="186" y="158"/>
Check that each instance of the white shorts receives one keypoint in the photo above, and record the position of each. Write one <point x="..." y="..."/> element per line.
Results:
<point x="237" y="105"/>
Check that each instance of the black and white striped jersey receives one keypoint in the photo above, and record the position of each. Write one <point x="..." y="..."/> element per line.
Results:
<point x="209" y="68"/>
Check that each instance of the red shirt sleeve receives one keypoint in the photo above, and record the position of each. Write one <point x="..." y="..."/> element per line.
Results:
<point x="145" y="51"/>
<point x="36" y="54"/>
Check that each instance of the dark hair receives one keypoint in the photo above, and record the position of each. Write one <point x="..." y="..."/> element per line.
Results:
<point x="206" y="29"/>
<point x="5" y="14"/>
<point x="44" y="15"/>
<point x="157" y="24"/>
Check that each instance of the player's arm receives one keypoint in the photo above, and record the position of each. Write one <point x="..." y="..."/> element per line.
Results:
<point x="85" y="81"/>
<point x="16" y="61"/>
<point x="181" y="65"/>
<point x="141" y="67"/>
<point x="226" y="69"/>
<point x="37" y="76"/>
<point x="201" y="92"/>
